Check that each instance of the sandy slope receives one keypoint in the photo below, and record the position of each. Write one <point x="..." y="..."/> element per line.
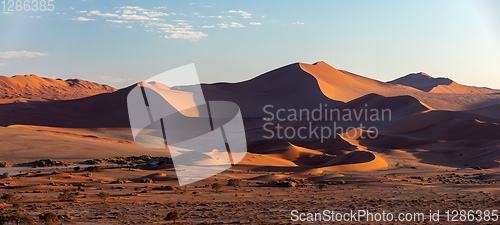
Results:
<point x="39" y="88"/>
<point x="19" y="145"/>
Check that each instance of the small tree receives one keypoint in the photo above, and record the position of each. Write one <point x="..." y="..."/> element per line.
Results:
<point x="4" y="164"/>
<point x="233" y="182"/>
<point x="322" y="186"/>
<point x="49" y="218"/>
<point x="217" y="187"/>
<point x="9" y="196"/>
<point x="103" y="195"/>
<point x="173" y="216"/>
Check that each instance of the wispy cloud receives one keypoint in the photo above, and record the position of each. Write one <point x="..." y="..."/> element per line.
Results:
<point x="3" y="64"/>
<point x="21" y="54"/>
<point x="82" y="19"/>
<point x="155" y="20"/>
<point x="243" y="13"/>
<point x="232" y="24"/>
<point x="298" y="23"/>
<point x="180" y="30"/>
<point x="113" y="79"/>
<point x="225" y="25"/>
<point x="119" y="21"/>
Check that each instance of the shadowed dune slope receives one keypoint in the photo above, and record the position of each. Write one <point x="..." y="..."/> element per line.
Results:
<point x="446" y="125"/>
<point x="492" y="111"/>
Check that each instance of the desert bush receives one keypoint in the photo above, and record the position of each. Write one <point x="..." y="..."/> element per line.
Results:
<point x="4" y="219"/>
<point x="93" y="161"/>
<point x="478" y="168"/>
<point x="21" y="218"/>
<point x="233" y="182"/>
<point x="48" y="162"/>
<point x="49" y="218"/>
<point x="9" y="196"/>
<point x="67" y="196"/>
<point x="18" y="205"/>
<point x="173" y="216"/>
<point x="282" y="184"/>
<point x="146" y="180"/>
<point x="119" y="181"/>
<point x="322" y="186"/>
<point x="3" y="164"/>
<point x="216" y="187"/>
<point x="94" y="169"/>
<point x="77" y="168"/>
<point x="168" y="188"/>
<point x="103" y="195"/>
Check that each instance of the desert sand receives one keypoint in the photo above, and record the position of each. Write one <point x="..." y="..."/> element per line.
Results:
<point x="440" y="150"/>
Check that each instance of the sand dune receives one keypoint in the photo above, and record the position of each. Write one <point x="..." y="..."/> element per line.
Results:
<point x="39" y="88"/>
<point x="414" y="101"/>
<point x="427" y="83"/>
<point x="492" y="111"/>
<point x="21" y="145"/>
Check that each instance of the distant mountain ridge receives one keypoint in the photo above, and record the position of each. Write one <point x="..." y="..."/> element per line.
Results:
<point x="33" y="87"/>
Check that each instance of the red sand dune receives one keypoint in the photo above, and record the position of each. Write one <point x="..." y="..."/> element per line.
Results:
<point x="413" y="101"/>
<point x="39" y="88"/>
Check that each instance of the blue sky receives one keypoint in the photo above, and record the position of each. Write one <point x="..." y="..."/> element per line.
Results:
<point x="122" y="42"/>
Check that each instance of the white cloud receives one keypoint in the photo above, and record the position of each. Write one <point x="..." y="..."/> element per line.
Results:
<point x="82" y="19"/>
<point x="298" y="23"/>
<point x="153" y="21"/>
<point x="181" y="30"/>
<point x="113" y="79"/>
<point x="255" y="23"/>
<point x="119" y="21"/>
<point x="9" y="13"/>
<point x="232" y="25"/>
<point x="128" y="15"/>
<point x="243" y="13"/>
<point x="129" y="27"/>
<point x="186" y="34"/>
<point x="3" y="64"/>
<point x="83" y="11"/>
<point x="138" y="8"/>
<point x="211" y="26"/>
<point x="155" y="14"/>
<point x="20" y="54"/>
